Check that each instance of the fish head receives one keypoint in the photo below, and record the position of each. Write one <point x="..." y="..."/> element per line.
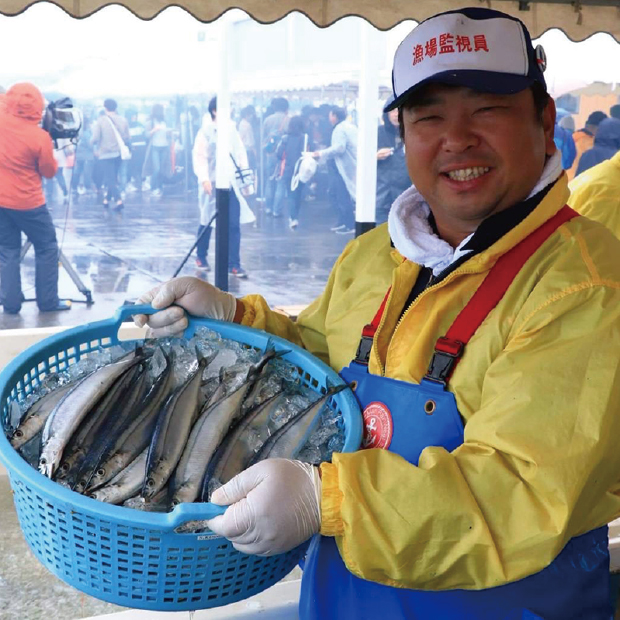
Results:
<point x="46" y="468"/>
<point x="149" y="488"/>
<point x="100" y="473"/>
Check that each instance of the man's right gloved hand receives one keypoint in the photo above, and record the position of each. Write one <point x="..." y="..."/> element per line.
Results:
<point x="196" y="296"/>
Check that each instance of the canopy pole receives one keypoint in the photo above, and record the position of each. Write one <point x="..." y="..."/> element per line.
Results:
<point x="366" y="175"/>
<point x="222" y="160"/>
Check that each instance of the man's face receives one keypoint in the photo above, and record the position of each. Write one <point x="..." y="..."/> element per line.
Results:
<point x="474" y="154"/>
<point x="333" y="119"/>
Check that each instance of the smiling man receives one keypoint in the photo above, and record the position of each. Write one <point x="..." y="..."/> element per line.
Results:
<point x="480" y="331"/>
<point x="472" y="154"/>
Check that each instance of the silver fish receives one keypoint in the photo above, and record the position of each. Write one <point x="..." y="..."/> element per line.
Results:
<point x="237" y="450"/>
<point x="73" y="407"/>
<point x="172" y="429"/>
<point x="206" y="435"/>
<point x="125" y="484"/>
<point x="208" y="432"/>
<point x="123" y="408"/>
<point x="288" y="440"/>
<point x="89" y="429"/>
<point x="34" y="420"/>
<point x="136" y="433"/>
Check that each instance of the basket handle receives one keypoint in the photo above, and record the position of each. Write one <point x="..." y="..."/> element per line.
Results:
<point x="126" y="311"/>
<point x="194" y="512"/>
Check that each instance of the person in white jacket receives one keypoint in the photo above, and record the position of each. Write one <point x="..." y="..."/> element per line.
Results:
<point x="203" y="158"/>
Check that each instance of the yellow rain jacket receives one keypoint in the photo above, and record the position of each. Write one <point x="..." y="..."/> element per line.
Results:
<point x="538" y="388"/>
<point x="595" y="193"/>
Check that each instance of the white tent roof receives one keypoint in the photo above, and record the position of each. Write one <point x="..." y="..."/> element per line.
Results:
<point x="578" y="20"/>
<point x="171" y="54"/>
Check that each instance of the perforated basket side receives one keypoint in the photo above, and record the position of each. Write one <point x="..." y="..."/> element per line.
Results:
<point x="142" y="567"/>
<point x="128" y="557"/>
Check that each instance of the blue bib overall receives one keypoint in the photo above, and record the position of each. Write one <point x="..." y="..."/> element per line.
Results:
<point x="406" y="418"/>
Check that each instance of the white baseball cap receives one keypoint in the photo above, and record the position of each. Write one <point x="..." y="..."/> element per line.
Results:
<point x="483" y="49"/>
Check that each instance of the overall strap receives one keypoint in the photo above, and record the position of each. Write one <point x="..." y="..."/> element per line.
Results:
<point x="449" y="348"/>
<point x="368" y="333"/>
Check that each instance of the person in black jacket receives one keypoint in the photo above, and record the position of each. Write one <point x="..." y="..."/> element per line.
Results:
<point x="606" y="145"/>
<point x="292" y="145"/>
<point x="392" y="176"/>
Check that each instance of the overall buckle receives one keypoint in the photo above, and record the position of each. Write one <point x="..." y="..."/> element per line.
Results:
<point x="363" y="350"/>
<point x="447" y="354"/>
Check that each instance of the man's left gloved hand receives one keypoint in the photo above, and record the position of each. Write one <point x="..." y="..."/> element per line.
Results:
<point x="274" y="506"/>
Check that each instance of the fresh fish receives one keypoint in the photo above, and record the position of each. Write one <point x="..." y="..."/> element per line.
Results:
<point x="34" y="420"/>
<point x="208" y="432"/>
<point x="73" y="407"/>
<point x="123" y="408"/>
<point x="206" y="435"/>
<point x="136" y="433"/>
<point x="86" y="435"/>
<point x="238" y="447"/>
<point x="172" y="428"/>
<point x="125" y="484"/>
<point x="288" y="440"/>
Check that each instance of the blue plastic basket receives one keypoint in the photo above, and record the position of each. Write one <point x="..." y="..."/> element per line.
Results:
<point x="135" y="558"/>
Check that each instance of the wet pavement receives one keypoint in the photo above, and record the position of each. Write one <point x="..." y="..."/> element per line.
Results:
<point x="118" y="256"/>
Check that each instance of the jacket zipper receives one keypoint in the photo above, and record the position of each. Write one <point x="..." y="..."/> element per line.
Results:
<point x="429" y="286"/>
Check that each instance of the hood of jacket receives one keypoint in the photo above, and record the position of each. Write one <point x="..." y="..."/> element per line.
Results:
<point x="25" y="101"/>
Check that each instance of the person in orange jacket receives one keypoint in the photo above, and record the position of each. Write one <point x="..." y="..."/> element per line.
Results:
<point x="26" y="154"/>
<point x="584" y="139"/>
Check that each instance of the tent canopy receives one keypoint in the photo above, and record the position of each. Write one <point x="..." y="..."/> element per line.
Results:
<point x="577" y="18"/>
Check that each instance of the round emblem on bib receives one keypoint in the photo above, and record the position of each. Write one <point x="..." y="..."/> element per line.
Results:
<point x="378" y="426"/>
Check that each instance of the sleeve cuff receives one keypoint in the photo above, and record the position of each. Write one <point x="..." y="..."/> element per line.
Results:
<point x="249" y="314"/>
<point x="331" y="501"/>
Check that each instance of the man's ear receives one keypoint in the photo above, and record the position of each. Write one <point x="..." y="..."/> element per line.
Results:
<point x="548" y="121"/>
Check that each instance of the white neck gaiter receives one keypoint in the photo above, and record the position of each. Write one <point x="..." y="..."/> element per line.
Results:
<point x="414" y="238"/>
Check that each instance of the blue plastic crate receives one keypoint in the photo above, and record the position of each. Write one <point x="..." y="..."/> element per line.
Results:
<point x="129" y="557"/>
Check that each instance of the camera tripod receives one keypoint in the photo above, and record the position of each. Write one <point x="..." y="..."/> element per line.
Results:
<point x="62" y="259"/>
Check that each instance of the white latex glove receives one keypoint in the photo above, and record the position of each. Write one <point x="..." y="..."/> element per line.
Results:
<point x="192" y="294"/>
<point x="274" y="506"/>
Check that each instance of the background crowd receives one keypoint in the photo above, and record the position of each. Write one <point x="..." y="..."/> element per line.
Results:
<point x="285" y="157"/>
<point x="161" y="139"/>
<point x="598" y="141"/>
